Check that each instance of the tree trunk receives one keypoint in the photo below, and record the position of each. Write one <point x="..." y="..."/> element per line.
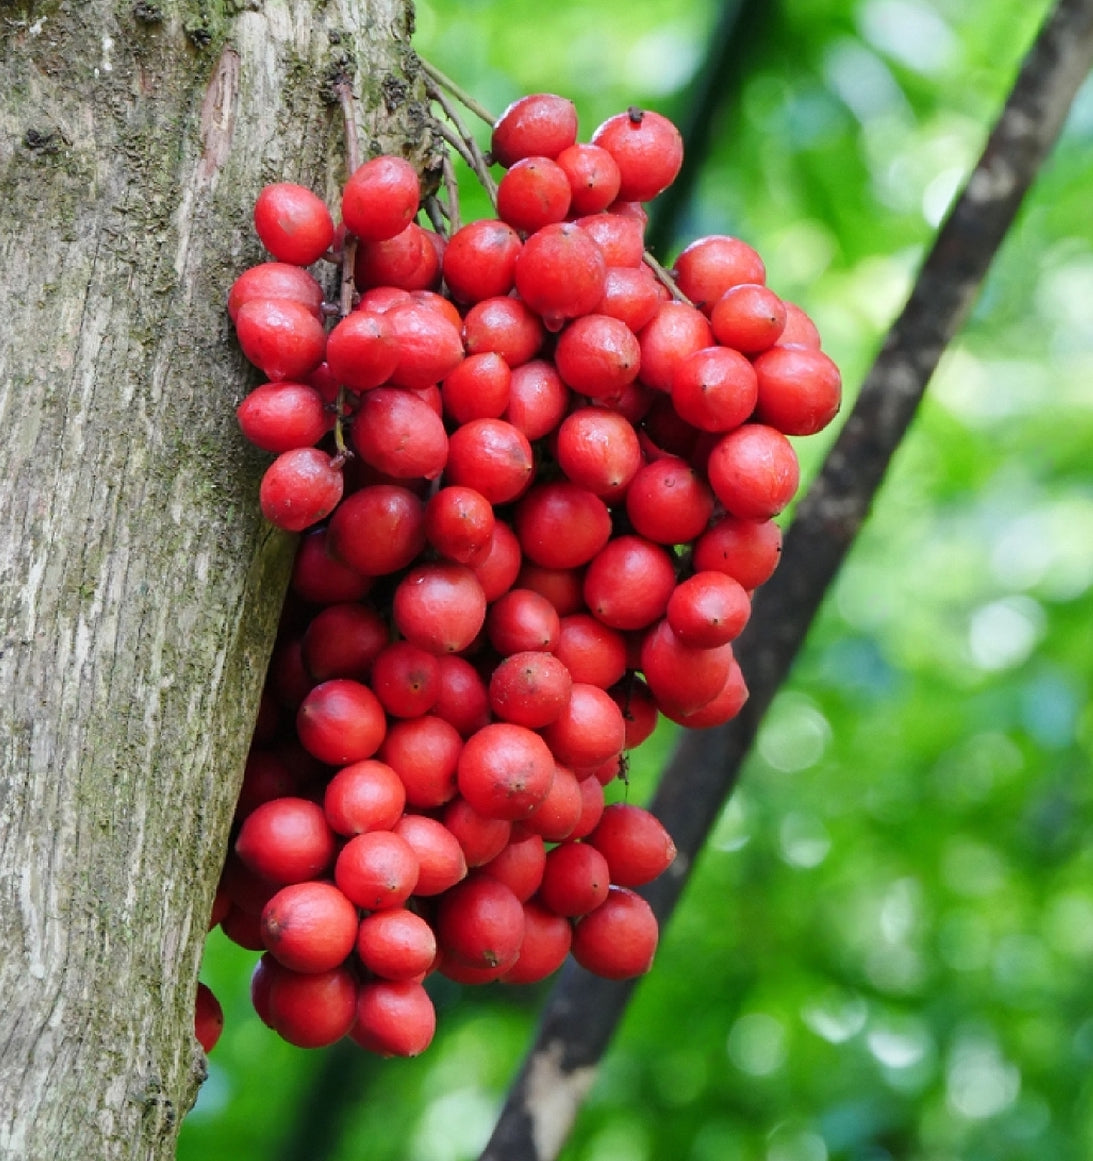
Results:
<point x="139" y="587"/>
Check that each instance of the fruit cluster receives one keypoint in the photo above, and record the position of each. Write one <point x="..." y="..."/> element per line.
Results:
<point x="536" y="477"/>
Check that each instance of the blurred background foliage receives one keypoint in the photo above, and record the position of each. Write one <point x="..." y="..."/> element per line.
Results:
<point x="886" y="950"/>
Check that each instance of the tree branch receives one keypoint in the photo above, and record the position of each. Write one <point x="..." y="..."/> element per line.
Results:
<point x="584" y="1010"/>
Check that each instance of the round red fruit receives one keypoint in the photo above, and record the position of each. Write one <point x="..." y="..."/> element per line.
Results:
<point x="376" y="870"/>
<point x="281" y="336"/>
<point x="396" y="944"/>
<point x="278" y="417"/>
<point x="208" y="1018"/>
<point x="634" y="843"/>
<point x="480" y="923"/>
<point x="310" y="1010"/>
<point x="362" y="351"/>
<point x="754" y="471"/>
<point x="575" y="880"/>
<point x="293" y="223"/>
<point x="540" y="124"/>
<point x="364" y="796"/>
<point x="286" y="840"/>
<point x="480" y="260"/>
<point x="505" y="770"/>
<point x="534" y="193"/>
<point x="380" y="198"/>
<point x="300" y="488"/>
<point x="394" y="1018"/>
<point x="560" y="273"/>
<point x="619" y="939"/>
<point x="440" y="607"/>
<point x="309" y="927"/>
<point x="800" y="390"/>
<point x="588" y="731"/>
<point x="341" y="721"/>
<point x="648" y="149"/>
<point x="597" y="356"/>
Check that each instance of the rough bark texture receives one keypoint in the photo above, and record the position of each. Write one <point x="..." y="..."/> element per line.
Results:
<point x="139" y="588"/>
<point x="583" y="1010"/>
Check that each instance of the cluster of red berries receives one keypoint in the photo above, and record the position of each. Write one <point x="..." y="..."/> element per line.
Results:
<point x="555" y="500"/>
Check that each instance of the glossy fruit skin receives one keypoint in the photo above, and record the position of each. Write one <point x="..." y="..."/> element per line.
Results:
<point x="668" y="502"/>
<point x="399" y="434"/>
<point x="480" y="260"/>
<point x="480" y="923"/>
<point x="575" y="880"/>
<point x="540" y="124"/>
<point x="293" y="223"/>
<point x="362" y="350"/>
<point x="276" y="280"/>
<point x="377" y="870"/>
<point x="343" y="640"/>
<point x="588" y="731"/>
<point x="378" y="530"/>
<point x="396" y="944"/>
<point x="628" y="583"/>
<point x="597" y="356"/>
<point x="533" y="193"/>
<point x="300" y="488"/>
<point x="708" y="609"/>
<point x="286" y="840"/>
<point x="709" y="266"/>
<point x="505" y="770"/>
<point x="440" y="607"/>
<point x="440" y="858"/>
<point x="380" y="198"/>
<point x="754" y="471"/>
<point x="547" y="938"/>
<point x="364" y="796"/>
<point x="593" y="176"/>
<point x="799" y="390"/>
<point x="529" y="689"/>
<point x="714" y="389"/>
<point x="747" y="550"/>
<point x="634" y="844"/>
<point x="394" y="1018"/>
<point x="424" y="751"/>
<point x="492" y="456"/>
<point x="281" y="336"/>
<point x="278" y="417"/>
<point x="310" y="1010"/>
<point x="748" y="317"/>
<point x="310" y="926"/>
<point x="561" y="525"/>
<point x="617" y="940"/>
<point x="647" y="148"/>
<point x="560" y="273"/>
<point x="341" y="721"/>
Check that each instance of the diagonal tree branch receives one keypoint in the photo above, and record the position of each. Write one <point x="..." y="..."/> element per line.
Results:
<point x="584" y="1010"/>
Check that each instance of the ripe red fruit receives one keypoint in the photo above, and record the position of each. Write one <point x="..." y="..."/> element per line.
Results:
<point x="598" y="450"/>
<point x="591" y="651"/>
<point x="406" y="679"/>
<point x="478" y="388"/>
<point x="396" y="944"/>
<point x="674" y="332"/>
<point x="506" y="326"/>
<point x="309" y="927"/>
<point x="708" y="609"/>
<point x="364" y="796"/>
<point x="505" y="770"/>
<point x="639" y="711"/>
<point x="378" y="530"/>
<point x="560" y="586"/>
<point x="682" y="679"/>
<point x="519" y="865"/>
<point x="557" y="815"/>
<point x="748" y="317"/>
<point x="668" y="502"/>
<point x="800" y="330"/>
<point x="588" y="731"/>
<point x="492" y="456"/>
<point x="462" y="700"/>
<point x="409" y="261"/>
<point x="534" y="193"/>
<point x="281" y="336"/>
<point x="479" y="837"/>
<point x="538" y="399"/>
<point x="480" y="260"/>
<point x="560" y="273"/>
<point x="620" y="237"/>
<point x="208" y="1018"/>
<point x="343" y="640"/>
<point x="561" y="525"/>
<point x="340" y="721"/>
<point x="628" y="583"/>
<point x="440" y="857"/>
<point x="597" y="356"/>
<point x="293" y="224"/>
<point x="521" y="621"/>
<point x="747" y="550"/>
<point x="634" y="843"/>
<point x="320" y="579"/>
<point x="362" y="350"/>
<point x="376" y="870"/>
<point x="307" y="1010"/>
<point x="575" y="879"/>
<point x="380" y="198"/>
<point x="498" y="567"/>
<point x="440" y="607"/>
<point x="648" y="149"/>
<point x="593" y="176"/>
<point x="631" y="294"/>
<point x="546" y="944"/>
<point x="530" y="689"/>
<point x="480" y="922"/>
<point x="300" y="488"/>
<point x="399" y="434"/>
<point x="278" y="417"/>
<point x="459" y="521"/>
<point x="754" y="471"/>
<point x="423" y="751"/>
<point x="721" y="708"/>
<point x="394" y="1018"/>
<point x="286" y="840"/>
<point x="619" y="939"/>
<point x="429" y="344"/>
<point x="276" y="280"/>
<point x="710" y="265"/>
<point x="714" y="389"/>
<point x="799" y="390"/>
<point x="540" y="124"/>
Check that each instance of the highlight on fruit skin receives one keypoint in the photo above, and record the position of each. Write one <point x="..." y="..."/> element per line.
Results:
<point x="538" y="480"/>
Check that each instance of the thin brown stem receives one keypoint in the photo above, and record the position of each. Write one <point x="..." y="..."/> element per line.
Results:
<point x="463" y="141"/>
<point x="443" y="81"/>
<point x="665" y="278"/>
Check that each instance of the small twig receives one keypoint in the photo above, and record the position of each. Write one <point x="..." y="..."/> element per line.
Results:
<point x="665" y="278"/>
<point x="463" y="141"/>
<point x="352" y="134"/>
<point x="452" y="186"/>
<point x="461" y="95"/>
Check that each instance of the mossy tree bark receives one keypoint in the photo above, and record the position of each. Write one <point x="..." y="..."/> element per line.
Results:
<point x="139" y="588"/>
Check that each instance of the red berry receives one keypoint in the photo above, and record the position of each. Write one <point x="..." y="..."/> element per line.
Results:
<point x="277" y="280"/>
<point x="364" y="796"/>
<point x="588" y="731"/>
<point x="320" y="579"/>
<point x="309" y="927"/>
<point x="534" y="193"/>
<point x="278" y="417"/>
<point x="362" y="350"/>
<point x="747" y="550"/>
<point x="286" y="840"/>
<point x="378" y="530"/>
<point x="394" y="1018"/>
<point x="440" y="607"/>
<point x="423" y="751"/>
<point x="396" y="432"/>
<point x="620" y="237"/>
<point x="619" y="939"/>
<point x="396" y="944"/>
<point x="506" y="326"/>
<point x="710" y="265"/>
<point x="634" y="843"/>
<point x="311" y="1010"/>
<point x="799" y="390"/>
<point x="492" y="456"/>
<point x="630" y="294"/>
<point x="754" y="471"/>
<point x="561" y="525"/>
<point x="557" y="815"/>
<point x="668" y="502"/>
<point x="748" y="317"/>
<point x="300" y="488"/>
<point x="480" y="838"/>
<point x="575" y="879"/>
<point x="505" y="770"/>
<point x="293" y="223"/>
<point x="343" y="640"/>
<point x="714" y="389"/>
<point x="478" y="388"/>
<point x="560" y="273"/>
<point x="281" y="336"/>
<point x="546" y="944"/>
<point x="529" y="688"/>
<point x="522" y="621"/>
<point x="380" y="198"/>
<point x="675" y="331"/>
<point x="628" y="583"/>
<point x="406" y="679"/>
<point x="592" y="652"/>
<point x="681" y="678"/>
<point x="480" y="260"/>
<point x="538" y="399"/>
<point x="597" y="356"/>
<point x="480" y="923"/>
<point x="440" y="857"/>
<point x="519" y="865"/>
<point x="408" y="261"/>
<point x="708" y="609"/>
<point x="429" y="344"/>
<point x="341" y="721"/>
<point x="377" y="870"/>
<point x="593" y="176"/>
<point x="462" y="700"/>
<point x="648" y="149"/>
<point x="541" y="124"/>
